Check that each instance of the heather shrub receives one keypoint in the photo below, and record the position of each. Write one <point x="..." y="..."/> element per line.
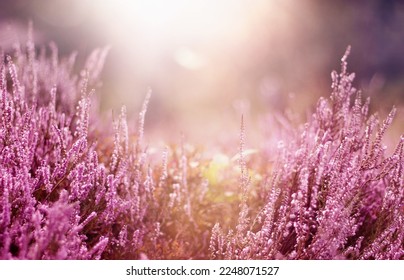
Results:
<point x="333" y="193"/>
<point x="73" y="188"/>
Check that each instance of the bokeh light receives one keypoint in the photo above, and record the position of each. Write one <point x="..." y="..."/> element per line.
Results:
<point x="208" y="62"/>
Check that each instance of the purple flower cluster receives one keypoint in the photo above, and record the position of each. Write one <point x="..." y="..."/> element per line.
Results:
<point x="333" y="193"/>
<point x="68" y="190"/>
<point x="58" y="200"/>
<point x="38" y="156"/>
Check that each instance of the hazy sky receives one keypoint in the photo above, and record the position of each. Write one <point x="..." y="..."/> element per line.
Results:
<point x="208" y="62"/>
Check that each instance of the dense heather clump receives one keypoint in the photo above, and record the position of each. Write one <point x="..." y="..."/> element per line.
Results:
<point x="333" y="194"/>
<point x="68" y="190"/>
<point x="73" y="189"/>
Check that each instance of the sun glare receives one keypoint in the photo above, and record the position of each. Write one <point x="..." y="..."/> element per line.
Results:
<point x="198" y="21"/>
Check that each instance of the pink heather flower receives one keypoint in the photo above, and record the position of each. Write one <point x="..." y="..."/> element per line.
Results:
<point x="72" y="189"/>
<point x="334" y="192"/>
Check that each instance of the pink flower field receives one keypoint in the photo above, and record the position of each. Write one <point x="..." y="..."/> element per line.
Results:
<point x="76" y="183"/>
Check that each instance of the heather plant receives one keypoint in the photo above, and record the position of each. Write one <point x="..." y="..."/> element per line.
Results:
<point x="334" y="193"/>
<point x="71" y="188"/>
<point x="68" y="192"/>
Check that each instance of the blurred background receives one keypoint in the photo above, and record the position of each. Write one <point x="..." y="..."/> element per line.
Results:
<point x="210" y="61"/>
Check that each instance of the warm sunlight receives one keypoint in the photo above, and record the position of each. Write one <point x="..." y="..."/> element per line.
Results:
<point x="166" y="21"/>
<point x="253" y="130"/>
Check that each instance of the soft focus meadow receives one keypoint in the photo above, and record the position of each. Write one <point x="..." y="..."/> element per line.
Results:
<point x="202" y="130"/>
<point x="74" y="186"/>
